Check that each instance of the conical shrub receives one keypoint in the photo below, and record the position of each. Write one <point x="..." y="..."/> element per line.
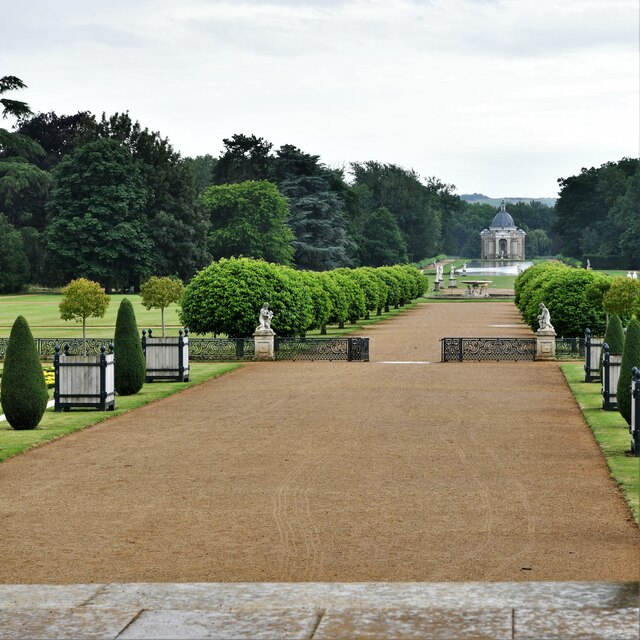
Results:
<point x="24" y="391"/>
<point x="129" y="359"/>
<point x="630" y="359"/>
<point x="614" y="335"/>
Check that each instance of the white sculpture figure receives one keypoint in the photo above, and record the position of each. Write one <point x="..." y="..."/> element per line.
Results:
<point x="452" y="272"/>
<point x="464" y="268"/>
<point x="629" y="275"/>
<point x="265" y="318"/>
<point x="544" y="319"/>
<point x="439" y="273"/>
<point x="634" y="275"/>
<point x="588" y="264"/>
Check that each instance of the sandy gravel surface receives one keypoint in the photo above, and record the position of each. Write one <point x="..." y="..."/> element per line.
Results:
<point x="332" y="472"/>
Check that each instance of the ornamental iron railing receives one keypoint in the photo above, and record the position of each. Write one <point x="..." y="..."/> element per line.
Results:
<point x="221" y="349"/>
<point x="46" y="347"/>
<point x="569" y="348"/>
<point x="487" y="349"/>
<point x="349" y="349"/>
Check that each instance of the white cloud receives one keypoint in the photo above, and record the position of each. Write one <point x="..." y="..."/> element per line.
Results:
<point x="455" y="88"/>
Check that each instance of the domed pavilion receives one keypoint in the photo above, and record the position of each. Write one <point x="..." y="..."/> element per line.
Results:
<point x="502" y="240"/>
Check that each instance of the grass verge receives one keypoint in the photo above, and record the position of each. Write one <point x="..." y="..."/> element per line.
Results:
<point x="611" y="433"/>
<point x="55" y="425"/>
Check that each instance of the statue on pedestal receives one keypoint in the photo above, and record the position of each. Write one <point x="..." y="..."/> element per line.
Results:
<point x="265" y="318"/>
<point x="544" y="319"/>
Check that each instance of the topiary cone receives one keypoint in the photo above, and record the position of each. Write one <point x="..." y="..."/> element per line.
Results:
<point x="130" y="363"/>
<point x="614" y="335"/>
<point x="630" y="359"/>
<point x="24" y="391"/>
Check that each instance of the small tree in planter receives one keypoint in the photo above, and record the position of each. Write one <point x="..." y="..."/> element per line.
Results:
<point x="130" y="362"/>
<point x="614" y="335"/>
<point x="159" y="293"/>
<point x="24" y="391"/>
<point x="630" y="359"/>
<point x="83" y="299"/>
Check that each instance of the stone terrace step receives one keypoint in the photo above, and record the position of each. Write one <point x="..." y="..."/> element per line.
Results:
<point x="322" y="610"/>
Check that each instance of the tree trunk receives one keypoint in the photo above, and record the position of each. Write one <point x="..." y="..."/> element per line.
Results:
<point x="162" y="315"/>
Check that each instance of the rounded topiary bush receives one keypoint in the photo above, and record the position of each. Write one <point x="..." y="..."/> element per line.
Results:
<point x="24" y="391"/>
<point x="130" y="365"/>
<point x="630" y="359"/>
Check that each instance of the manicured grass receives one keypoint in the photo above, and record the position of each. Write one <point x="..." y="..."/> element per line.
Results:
<point x="55" y="425"/>
<point x="611" y="432"/>
<point x="43" y="316"/>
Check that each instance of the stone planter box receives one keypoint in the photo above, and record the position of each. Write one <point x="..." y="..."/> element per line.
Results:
<point x="84" y="381"/>
<point x="610" y="377"/>
<point x="592" y="353"/>
<point x="166" y="358"/>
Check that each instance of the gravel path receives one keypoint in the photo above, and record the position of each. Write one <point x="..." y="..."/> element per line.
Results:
<point x="415" y="471"/>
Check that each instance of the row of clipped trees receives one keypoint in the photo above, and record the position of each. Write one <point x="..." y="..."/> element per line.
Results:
<point x="225" y="297"/>
<point x="577" y="299"/>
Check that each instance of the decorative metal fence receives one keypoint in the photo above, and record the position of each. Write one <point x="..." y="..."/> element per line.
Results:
<point x="569" y="348"/>
<point x="46" y="347"/>
<point x="221" y="349"/>
<point x="349" y="349"/>
<point x="227" y="349"/>
<point x="487" y="349"/>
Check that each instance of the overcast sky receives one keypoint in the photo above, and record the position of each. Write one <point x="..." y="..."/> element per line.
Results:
<point x="500" y="97"/>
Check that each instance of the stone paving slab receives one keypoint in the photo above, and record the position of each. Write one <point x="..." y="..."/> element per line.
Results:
<point x="435" y="624"/>
<point x="389" y="595"/>
<point x="222" y="625"/>
<point x="565" y="624"/>
<point x="82" y="623"/>
<point x="535" y="610"/>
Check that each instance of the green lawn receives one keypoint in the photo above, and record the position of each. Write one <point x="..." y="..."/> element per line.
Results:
<point x="43" y="316"/>
<point x="55" y="425"/>
<point x="611" y="432"/>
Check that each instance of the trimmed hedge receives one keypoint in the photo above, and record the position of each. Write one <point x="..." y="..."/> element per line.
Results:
<point x="225" y="298"/>
<point x="23" y="392"/>
<point x="564" y="291"/>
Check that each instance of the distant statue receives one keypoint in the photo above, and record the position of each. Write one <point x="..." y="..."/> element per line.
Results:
<point x="439" y="277"/>
<point x="588" y="265"/>
<point x="265" y="318"/>
<point x="464" y="268"/>
<point x="629" y="275"/>
<point x="544" y="319"/>
<point x="634" y="275"/>
<point x="452" y="272"/>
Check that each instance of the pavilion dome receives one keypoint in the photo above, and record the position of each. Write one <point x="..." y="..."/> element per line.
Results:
<point x="502" y="219"/>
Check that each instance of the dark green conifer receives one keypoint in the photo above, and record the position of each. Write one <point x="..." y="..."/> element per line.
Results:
<point x="130" y="363"/>
<point x="630" y="359"/>
<point x="614" y="335"/>
<point x="24" y="391"/>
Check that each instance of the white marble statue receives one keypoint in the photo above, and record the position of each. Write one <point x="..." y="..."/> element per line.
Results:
<point x="544" y="319"/>
<point x="588" y="265"/>
<point x="439" y="273"/>
<point x="634" y="275"/>
<point x="265" y="318"/>
<point x="452" y="272"/>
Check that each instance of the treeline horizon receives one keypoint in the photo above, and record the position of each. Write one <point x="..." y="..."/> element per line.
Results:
<point x="112" y="201"/>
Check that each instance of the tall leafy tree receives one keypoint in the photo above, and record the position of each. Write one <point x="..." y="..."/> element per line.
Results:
<point x="10" y="107"/>
<point x="586" y="222"/>
<point x="14" y="268"/>
<point x="177" y="227"/>
<point x="409" y="201"/>
<point x="98" y="228"/>
<point x="243" y="158"/>
<point x="318" y="218"/>
<point x="380" y="240"/>
<point x="249" y="219"/>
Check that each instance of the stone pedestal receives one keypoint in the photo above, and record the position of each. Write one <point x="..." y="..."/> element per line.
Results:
<point x="545" y="344"/>
<point x="452" y="282"/>
<point x="264" y="344"/>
